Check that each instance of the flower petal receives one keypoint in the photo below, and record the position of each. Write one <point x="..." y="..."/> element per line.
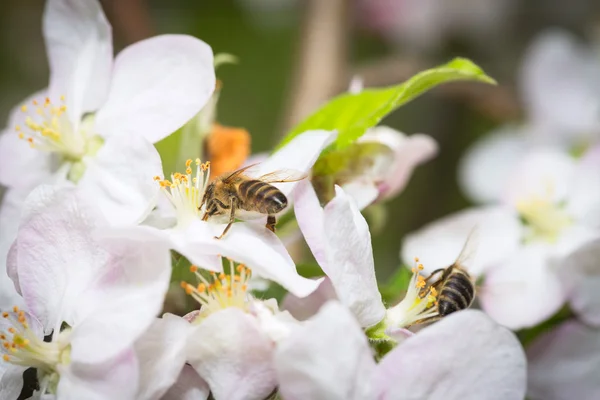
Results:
<point x="438" y="244"/>
<point x="363" y="193"/>
<point x="304" y="308"/>
<point x="79" y="46"/>
<point x="299" y="155"/>
<point x="327" y="358"/>
<point x="189" y="386"/>
<point x="257" y="248"/>
<point x="114" y="379"/>
<point x="311" y="220"/>
<point x="564" y="363"/>
<point x="474" y="359"/>
<point x="486" y="167"/>
<point x="584" y="193"/>
<point x="350" y="264"/>
<point x="119" y="180"/>
<point x="158" y="85"/>
<point x="559" y="82"/>
<point x="11" y="380"/>
<point x="161" y="355"/>
<point x="229" y="351"/>
<point x="525" y="289"/>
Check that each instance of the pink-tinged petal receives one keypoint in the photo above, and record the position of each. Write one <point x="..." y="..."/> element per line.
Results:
<point x="232" y="354"/>
<point x="409" y="152"/>
<point x="363" y="193"/>
<point x="57" y="258"/>
<point x="350" y="264"/>
<point x="311" y="220"/>
<point x="117" y="378"/>
<point x="304" y="308"/>
<point x="475" y="358"/>
<point x="79" y="45"/>
<point x="438" y="244"/>
<point x="564" y="364"/>
<point x="158" y="84"/>
<point x="582" y="270"/>
<point x="328" y="358"/>
<point x="119" y="180"/>
<point x="119" y="306"/>
<point x="558" y="81"/>
<point x="189" y="386"/>
<point x="256" y="247"/>
<point x="546" y="174"/>
<point x="298" y="155"/>
<point x="161" y="355"/>
<point x="487" y="164"/>
<point x="21" y="166"/>
<point x="525" y="289"/>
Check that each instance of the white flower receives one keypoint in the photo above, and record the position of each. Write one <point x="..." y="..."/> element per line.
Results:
<point x="178" y="223"/>
<point x="559" y="83"/>
<point x="329" y="358"/>
<point x="550" y="210"/>
<point x="95" y="123"/>
<point x="339" y="238"/>
<point x="95" y="299"/>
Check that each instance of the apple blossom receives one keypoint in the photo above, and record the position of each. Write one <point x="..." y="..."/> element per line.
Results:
<point x="549" y="211"/>
<point x="464" y="356"/>
<point x="94" y="298"/>
<point x="559" y="84"/>
<point x="177" y="222"/>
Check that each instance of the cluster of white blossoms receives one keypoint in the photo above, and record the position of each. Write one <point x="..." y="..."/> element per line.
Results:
<point x="89" y="224"/>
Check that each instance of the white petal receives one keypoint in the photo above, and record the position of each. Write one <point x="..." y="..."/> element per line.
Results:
<point x="11" y="380"/>
<point x="299" y="155"/>
<point x="20" y="165"/>
<point x="158" y="84"/>
<point x="350" y="263"/>
<point x="189" y="386"/>
<point x="328" y="358"/>
<point x="79" y="45"/>
<point x="474" y="359"/>
<point x="546" y="174"/>
<point x="525" y="289"/>
<point x="257" y="248"/>
<point x="119" y="180"/>
<point x="487" y="164"/>
<point x="559" y="83"/>
<point x="583" y="271"/>
<point x="306" y="307"/>
<point x="311" y="220"/>
<point x="115" y="379"/>
<point x="161" y="355"/>
<point x="438" y="244"/>
<point x="584" y="194"/>
<point x="564" y="363"/>
<point x="230" y="352"/>
<point x="363" y="193"/>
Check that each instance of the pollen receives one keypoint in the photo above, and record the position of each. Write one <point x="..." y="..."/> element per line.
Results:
<point x="6" y="358"/>
<point x="193" y="268"/>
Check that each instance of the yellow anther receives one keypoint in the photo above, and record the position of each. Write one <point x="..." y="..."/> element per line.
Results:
<point x="23" y="108"/>
<point x="197" y="161"/>
<point x="188" y="170"/>
<point x="6" y="357"/>
<point x="157" y="178"/>
<point x="201" y="287"/>
<point x="5" y="314"/>
<point x="416" y="259"/>
<point x="240" y="268"/>
<point x="193" y="268"/>
<point x="188" y="162"/>
<point x="420" y="266"/>
<point x="35" y="102"/>
<point x="221" y="276"/>
<point x="21" y="135"/>
<point x="62" y="97"/>
<point x="12" y="330"/>
<point x="18" y="128"/>
<point x="63" y="108"/>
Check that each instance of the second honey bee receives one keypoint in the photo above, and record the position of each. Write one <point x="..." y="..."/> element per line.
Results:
<point x="455" y="286"/>
<point x="236" y="192"/>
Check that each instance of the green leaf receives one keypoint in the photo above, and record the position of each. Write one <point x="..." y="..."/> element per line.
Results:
<point x="352" y="114"/>
<point x="396" y="286"/>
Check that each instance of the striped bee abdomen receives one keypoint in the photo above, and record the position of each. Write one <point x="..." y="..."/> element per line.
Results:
<point x="262" y="197"/>
<point x="456" y="294"/>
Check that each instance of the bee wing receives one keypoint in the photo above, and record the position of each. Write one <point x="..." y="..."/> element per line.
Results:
<point x="237" y="173"/>
<point x="469" y="249"/>
<point x="282" y="175"/>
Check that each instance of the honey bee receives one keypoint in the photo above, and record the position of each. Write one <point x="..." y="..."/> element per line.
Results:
<point x="236" y="193"/>
<point x="455" y="286"/>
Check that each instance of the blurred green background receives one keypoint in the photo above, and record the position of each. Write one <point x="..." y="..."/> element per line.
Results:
<point x="293" y="48"/>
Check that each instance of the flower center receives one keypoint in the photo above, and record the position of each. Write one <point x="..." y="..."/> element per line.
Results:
<point x="545" y="219"/>
<point x="22" y="346"/>
<point x="221" y="290"/>
<point x="418" y="303"/>
<point x="185" y="191"/>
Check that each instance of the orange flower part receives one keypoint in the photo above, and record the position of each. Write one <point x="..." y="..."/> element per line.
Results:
<point x="228" y="148"/>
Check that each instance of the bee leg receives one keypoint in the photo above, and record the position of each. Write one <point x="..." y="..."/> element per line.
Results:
<point x="271" y="221"/>
<point x="233" y="203"/>
<point x="433" y="273"/>
<point x="427" y="320"/>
